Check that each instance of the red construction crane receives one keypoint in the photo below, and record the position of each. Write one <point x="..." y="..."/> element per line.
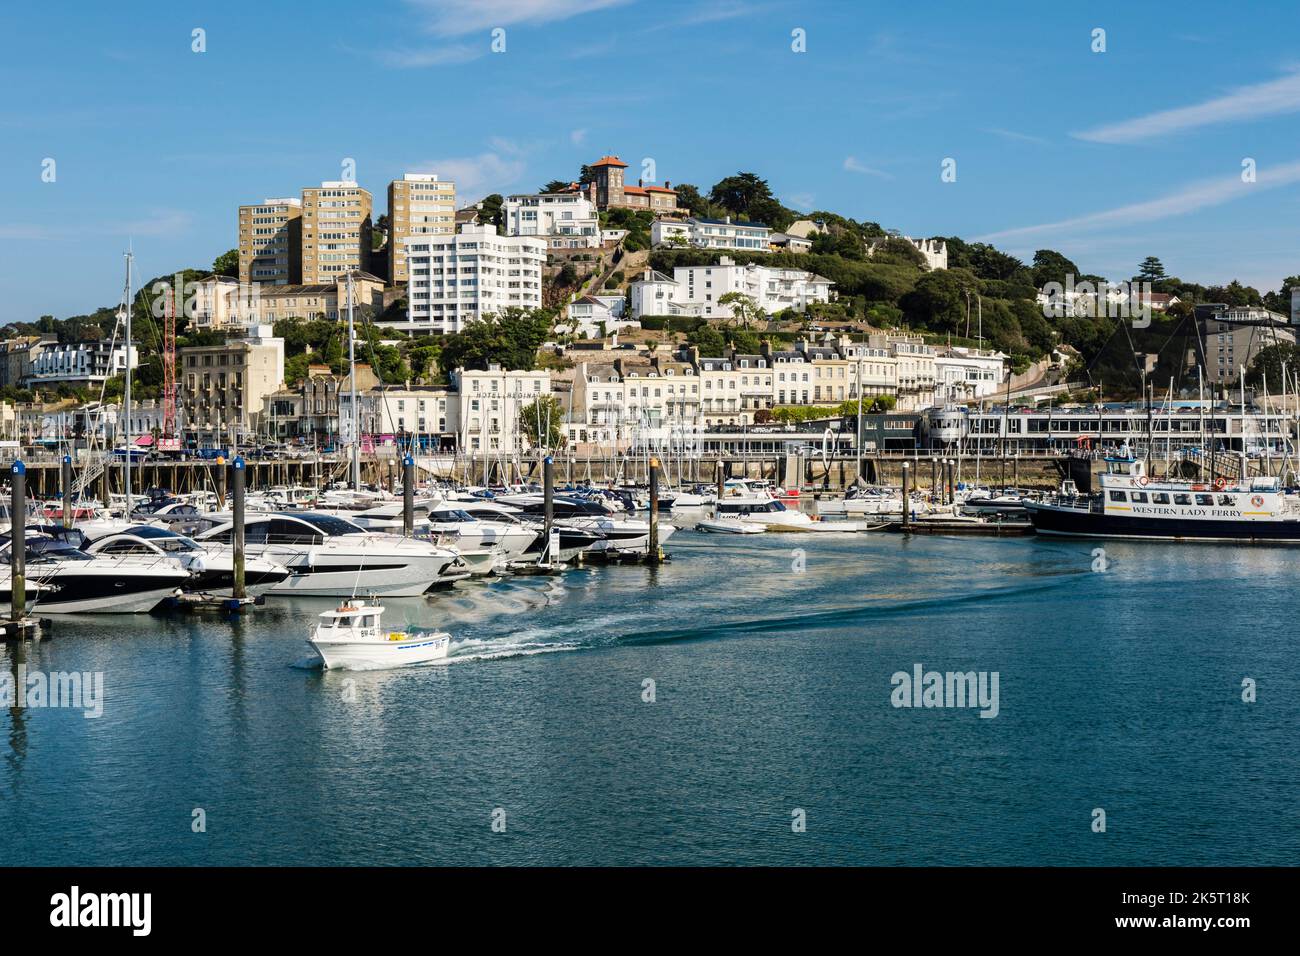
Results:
<point x="170" y="439"/>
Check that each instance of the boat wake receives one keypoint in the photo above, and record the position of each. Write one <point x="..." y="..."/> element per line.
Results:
<point x="837" y="617"/>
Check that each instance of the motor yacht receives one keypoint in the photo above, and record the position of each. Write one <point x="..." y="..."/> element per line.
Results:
<point x="63" y="579"/>
<point x="766" y="512"/>
<point x="330" y="556"/>
<point x="212" y="572"/>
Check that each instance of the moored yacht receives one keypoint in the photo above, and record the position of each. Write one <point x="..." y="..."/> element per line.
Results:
<point x="617" y="532"/>
<point x="767" y="512"/>
<point x="62" y="579"/>
<point x="211" y="572"/>
<point x="329" y="556"/>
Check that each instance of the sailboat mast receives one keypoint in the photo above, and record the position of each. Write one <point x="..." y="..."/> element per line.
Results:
<point x="356" y="411"/>
<point x="126" y="394"/>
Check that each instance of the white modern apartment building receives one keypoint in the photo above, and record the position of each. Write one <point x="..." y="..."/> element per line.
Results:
<point x="696" y="290"/>
<point x="656" y="294"/>
<point x="79" y="363"/>
<point x="771" y="289"/>
<point x="711" y="234"/>
<point x="457" y="279"/>
<point x="490" y="402"/>
<point x="565" y="220"/>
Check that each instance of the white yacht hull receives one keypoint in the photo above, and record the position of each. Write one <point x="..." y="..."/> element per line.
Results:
<point x="410" y="581"/>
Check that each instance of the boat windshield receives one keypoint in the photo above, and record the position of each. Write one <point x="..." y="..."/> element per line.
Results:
<point x="328" y="524"/>
<point x="451" y="514"/>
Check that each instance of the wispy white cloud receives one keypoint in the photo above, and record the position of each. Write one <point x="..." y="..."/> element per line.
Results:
<point x="1198" y="195"/>
<point x="1248" y="102"/>
<point x="578" y="136"/>
<point x="854" y="165"/>
<point x="1012" y="134"/>
<point x="493" y="170"/>
<point x="713" y="12"/>
<point x="418" y="58"/>
<point x="454" y="18"/>
<point x="801" y="201"/>
<point x="158" y="224"/>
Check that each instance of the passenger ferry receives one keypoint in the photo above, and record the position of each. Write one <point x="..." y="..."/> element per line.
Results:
<point x="1132" y="505"/>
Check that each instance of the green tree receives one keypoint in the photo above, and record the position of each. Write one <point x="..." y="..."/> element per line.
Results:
<point x="1151" y="269"/>
<point x="555" y="186"/>
<point x="739" y="192"/>
<point x="542" y="422"/>
<point x="227" y="264"/>
<point x="938" y="301"/>
<point x="707" y="339"/>
<point x="743" y="307"/>
<point x="898" y="250"/>
<point x="1050" y="266"/>
<point x="490" y="210"/>
<point x="510" y="339"/>
<point x="1267" y="366"/>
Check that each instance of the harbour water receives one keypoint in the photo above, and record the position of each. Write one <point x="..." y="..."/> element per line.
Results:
<point x="1119" y="690"/>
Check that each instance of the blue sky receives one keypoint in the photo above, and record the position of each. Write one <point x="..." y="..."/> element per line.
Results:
<point x="1108" y="156"/>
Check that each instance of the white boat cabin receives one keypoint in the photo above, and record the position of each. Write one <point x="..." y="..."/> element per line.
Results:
<point x="1126" y="489"/>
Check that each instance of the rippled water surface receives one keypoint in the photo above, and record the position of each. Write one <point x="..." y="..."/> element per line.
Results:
<point x="1119" y="690"/>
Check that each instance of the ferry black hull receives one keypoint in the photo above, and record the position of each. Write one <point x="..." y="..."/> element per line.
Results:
<point x="1077" y="523"/>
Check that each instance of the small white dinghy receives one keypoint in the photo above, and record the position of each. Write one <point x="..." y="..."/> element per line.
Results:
<point x="350" y="636"/>
<point x="729" y="526"/>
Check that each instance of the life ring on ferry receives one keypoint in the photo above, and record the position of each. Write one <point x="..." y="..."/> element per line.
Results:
<point x="1220" y="484"/>
<point x="1257" y="501"/>
<point x="1142" y="480"/>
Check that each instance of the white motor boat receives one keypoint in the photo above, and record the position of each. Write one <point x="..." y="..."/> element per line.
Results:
<point x="767" y="513"/>
<point x="862" y="500"/>
<point x="616" y="532"/>
<point x="506" y="538"/>
<point x="695" y="498"/>
<point x="211" y="572"/>
<point x="62" y="579"/>
<point x="328" y="556"/>
<point x="351" y="636"/>
<point x="729" y="526"/>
